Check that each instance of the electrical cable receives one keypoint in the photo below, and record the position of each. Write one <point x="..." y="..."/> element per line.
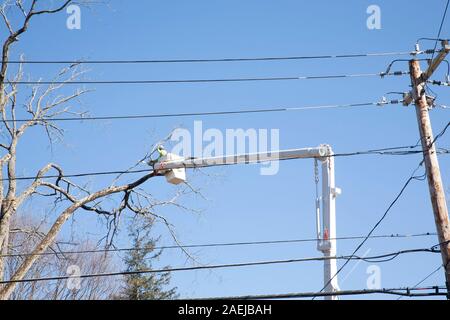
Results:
<point x="440" y="27"/>
<point x="279" y="58"/>
<point x="219" y="266"/>
<point x="403" y="292"/>
<point x="222" y="80"/>
<point x="118" y="172"/>
<point x="426" y="278"/>
<point x="215" y="245"/>
<point x="211" y="113"/>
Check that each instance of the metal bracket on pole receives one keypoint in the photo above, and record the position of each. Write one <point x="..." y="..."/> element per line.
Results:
<point x="409" y="97"/>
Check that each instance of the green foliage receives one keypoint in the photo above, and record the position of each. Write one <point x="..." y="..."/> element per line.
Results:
<point x="147" y="286"/>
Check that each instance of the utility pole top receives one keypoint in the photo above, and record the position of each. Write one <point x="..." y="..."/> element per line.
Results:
<point x="433" y="65"/>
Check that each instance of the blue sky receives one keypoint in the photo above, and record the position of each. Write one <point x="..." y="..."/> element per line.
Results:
<point x="242" y="205"/>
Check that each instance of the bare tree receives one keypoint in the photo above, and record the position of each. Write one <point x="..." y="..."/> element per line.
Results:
<point x="77" y="254"/>
<point x="45" y="103"/>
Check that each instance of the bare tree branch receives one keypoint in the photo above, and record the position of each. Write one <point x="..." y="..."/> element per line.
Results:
<point x="66" y="197"/>
<point x="57" y="225"/>
<point x="13" y="37"/>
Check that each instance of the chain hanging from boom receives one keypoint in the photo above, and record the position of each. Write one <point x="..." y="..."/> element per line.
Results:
<point x="318" y="199"/>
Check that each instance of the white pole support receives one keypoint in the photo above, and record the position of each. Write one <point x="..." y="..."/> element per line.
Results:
<point x="328" y="241"/>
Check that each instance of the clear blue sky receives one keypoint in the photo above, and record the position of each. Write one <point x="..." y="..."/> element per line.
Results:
<point x="242" y="205"/>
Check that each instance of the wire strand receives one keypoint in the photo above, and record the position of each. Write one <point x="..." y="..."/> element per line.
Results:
<point x="440" y="28"/>
<point x="403" y="151"/>
<point x="426" y="278"/>
<point x="212" y="113"/>
<point x="214" y="245"/>
<point x="222" y="80"/>
<point x="249" y="59"/>
<point x="404" y="292"/>
<point x="219" y="266"/>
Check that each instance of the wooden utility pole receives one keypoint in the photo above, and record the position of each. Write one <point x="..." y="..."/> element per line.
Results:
<point x="437" y="194"/>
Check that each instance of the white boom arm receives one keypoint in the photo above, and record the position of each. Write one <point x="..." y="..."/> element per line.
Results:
<point x="241" y="159"/>
<point x="173" y="167"/>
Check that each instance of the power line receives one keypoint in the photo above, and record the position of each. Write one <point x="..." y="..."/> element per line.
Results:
<point x="442" y="133"/>
<point x="78" y="175"/>
<point x="403" y="292"/>
<point x="222" y="80"/>
<point x="436" y="40"/>
<point x="440" y="28"/>
<point x="223" y="266"/>
<point x="274" y="58"/>
<point x="402" y="151"/>
<point x="426" y="278"/>
<point x="214" y="245"/>
<point x="212" y="113"/>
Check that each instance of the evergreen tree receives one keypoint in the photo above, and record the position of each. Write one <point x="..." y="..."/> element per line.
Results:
<point x="148" y="286"/>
